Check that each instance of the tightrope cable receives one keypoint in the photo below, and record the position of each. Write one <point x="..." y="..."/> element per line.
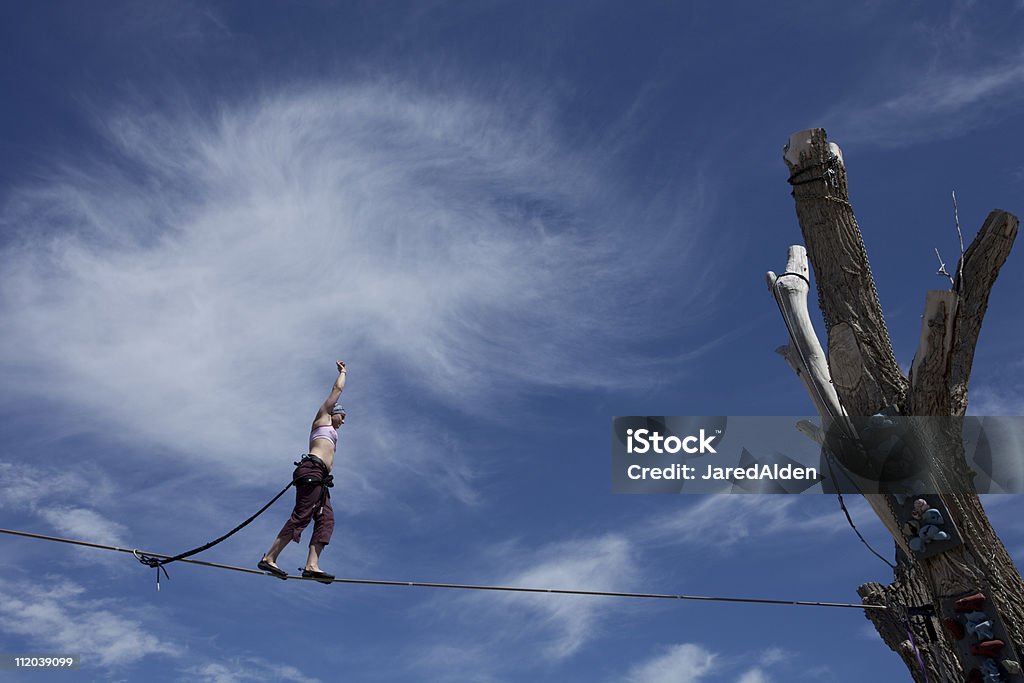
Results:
<point x="424" y="584"/>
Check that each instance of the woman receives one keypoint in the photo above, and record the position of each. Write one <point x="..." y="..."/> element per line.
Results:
<point x="312" y="479"/>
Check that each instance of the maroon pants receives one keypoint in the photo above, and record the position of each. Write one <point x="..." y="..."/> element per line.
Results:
<point x="307" y="506"/>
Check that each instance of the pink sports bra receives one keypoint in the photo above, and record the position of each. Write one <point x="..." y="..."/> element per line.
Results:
<point x="324" y="432"/>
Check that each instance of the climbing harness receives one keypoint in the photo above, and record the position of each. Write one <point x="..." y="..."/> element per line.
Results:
<point x="325" y="480"/>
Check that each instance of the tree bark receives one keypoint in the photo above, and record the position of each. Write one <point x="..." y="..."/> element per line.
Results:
<point x="866" y="378"/>
<point x="909" y="588"/>
<point x="860" y="354"/>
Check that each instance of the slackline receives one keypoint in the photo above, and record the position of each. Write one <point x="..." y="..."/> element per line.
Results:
<point x="423" y="584"/>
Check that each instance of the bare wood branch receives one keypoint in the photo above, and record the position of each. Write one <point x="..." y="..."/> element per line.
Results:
<point x="942" y="267"/>
<point x="804" y="353"/>
<point x="860" y="356"/>
<point x="977" y="272"/>
<point x="960" y="236"/>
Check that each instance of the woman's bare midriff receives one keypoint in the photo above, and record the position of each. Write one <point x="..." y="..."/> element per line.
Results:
<point x="323" y="449"/>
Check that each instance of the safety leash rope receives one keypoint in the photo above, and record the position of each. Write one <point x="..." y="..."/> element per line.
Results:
<point x="158" y="563"/>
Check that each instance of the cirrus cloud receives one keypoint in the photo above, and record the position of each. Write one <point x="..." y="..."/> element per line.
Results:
<point x="190" y="286"/>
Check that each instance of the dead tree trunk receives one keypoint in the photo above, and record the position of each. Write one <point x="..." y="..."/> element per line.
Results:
<point x="861" y="377"/>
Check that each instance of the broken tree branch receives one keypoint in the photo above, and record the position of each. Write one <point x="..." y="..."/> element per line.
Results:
<point x="803" y="353"/>
<point x="976" y="274"/>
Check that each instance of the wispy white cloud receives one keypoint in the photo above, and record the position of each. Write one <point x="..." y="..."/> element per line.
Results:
<point x="24" y="489"/>
<point x="603" y="563"/>
<point x="992" y="401"/>
<point x="458" y="660"/>
<point x="60" y="617"/>
<point x="774" y="655"/>
<point x="241" y="669"/>
<point x="949" y="74"/>
<point x="755" y="675"/>
<point x="725" y="522"/>
<point x="685" y="663"/>
<point x="941" y="100"/>
<point x="192" y="288"/>
<point x="84" y="524"/>
<point x="694" y="663"/>
<point x="22" y="486"/>
<point x="551" y="628"/>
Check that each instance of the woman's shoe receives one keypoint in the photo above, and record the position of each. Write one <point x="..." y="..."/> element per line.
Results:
<point x="272" y="569"/>
<point x="322" y="577"/>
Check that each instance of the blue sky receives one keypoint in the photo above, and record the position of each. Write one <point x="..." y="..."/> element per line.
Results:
<point x="513" y="221"/>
